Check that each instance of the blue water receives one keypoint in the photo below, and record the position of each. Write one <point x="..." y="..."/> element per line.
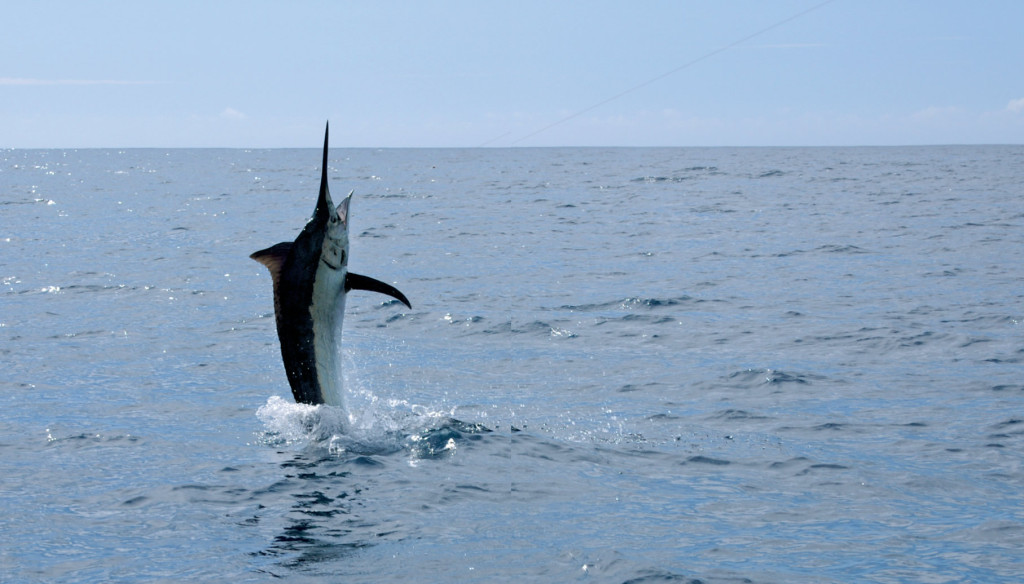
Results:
<point x="724" y="365"/>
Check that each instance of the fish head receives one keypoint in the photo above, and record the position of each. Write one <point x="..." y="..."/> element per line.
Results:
<point x="335" y="246"/>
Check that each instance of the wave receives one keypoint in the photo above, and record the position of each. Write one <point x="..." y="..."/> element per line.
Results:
<point x="631" y="303"/>
<point x="511" y="327"/>
<point x="685" y="174"/>
<point x="662" y="179"/>
<point x="753" y="377"/>
<point x="828" y="248"/>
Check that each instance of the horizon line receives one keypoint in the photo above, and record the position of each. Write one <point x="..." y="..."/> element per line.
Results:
<point x="514" y="147"/>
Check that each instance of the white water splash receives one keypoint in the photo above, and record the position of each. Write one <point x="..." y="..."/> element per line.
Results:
<point x="375" y="426"/>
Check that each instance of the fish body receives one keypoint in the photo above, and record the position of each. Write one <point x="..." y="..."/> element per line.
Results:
<point x="311" y="280"/>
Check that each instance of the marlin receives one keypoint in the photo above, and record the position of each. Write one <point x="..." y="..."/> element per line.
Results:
<point x="311" y="280"/>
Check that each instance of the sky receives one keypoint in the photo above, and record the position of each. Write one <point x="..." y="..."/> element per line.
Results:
<point x="497" y="73"/>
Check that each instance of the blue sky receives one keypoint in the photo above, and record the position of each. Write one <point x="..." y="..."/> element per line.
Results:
<point x="504" y="73"/>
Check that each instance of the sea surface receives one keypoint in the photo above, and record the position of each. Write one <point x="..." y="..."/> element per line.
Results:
<point x="622" y="365"/>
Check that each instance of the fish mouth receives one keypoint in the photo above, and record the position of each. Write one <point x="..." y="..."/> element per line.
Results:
<point x="330" y="265"/>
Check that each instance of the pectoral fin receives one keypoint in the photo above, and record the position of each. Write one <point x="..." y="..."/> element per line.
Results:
<point x="359" y="282"/>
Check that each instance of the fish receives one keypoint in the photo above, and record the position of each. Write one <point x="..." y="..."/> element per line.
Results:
<point x="311" y="281"/>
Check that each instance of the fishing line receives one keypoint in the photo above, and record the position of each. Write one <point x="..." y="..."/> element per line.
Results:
<point x="652" y="80"/>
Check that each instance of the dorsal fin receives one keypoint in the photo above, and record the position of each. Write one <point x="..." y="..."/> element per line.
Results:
<point x="273" y="257"/>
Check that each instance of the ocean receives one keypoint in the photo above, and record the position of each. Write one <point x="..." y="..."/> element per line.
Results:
<point x="621" y="365"/>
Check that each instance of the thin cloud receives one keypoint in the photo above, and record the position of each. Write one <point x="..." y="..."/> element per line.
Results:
<point x="1016" y="105"/>
<point x="23" y="81"/>
<point x="231" y="113"/>
<point x="934" y="112"/>
<point x="785" y="46"/>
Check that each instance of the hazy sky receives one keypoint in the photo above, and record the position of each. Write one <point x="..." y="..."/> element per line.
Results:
<point x="500" y="73"/>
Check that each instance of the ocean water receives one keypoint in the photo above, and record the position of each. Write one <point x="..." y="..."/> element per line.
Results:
<point x="621" y="365"/>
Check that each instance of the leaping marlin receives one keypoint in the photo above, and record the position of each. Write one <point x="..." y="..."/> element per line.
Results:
<point x="311" y="279"/>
